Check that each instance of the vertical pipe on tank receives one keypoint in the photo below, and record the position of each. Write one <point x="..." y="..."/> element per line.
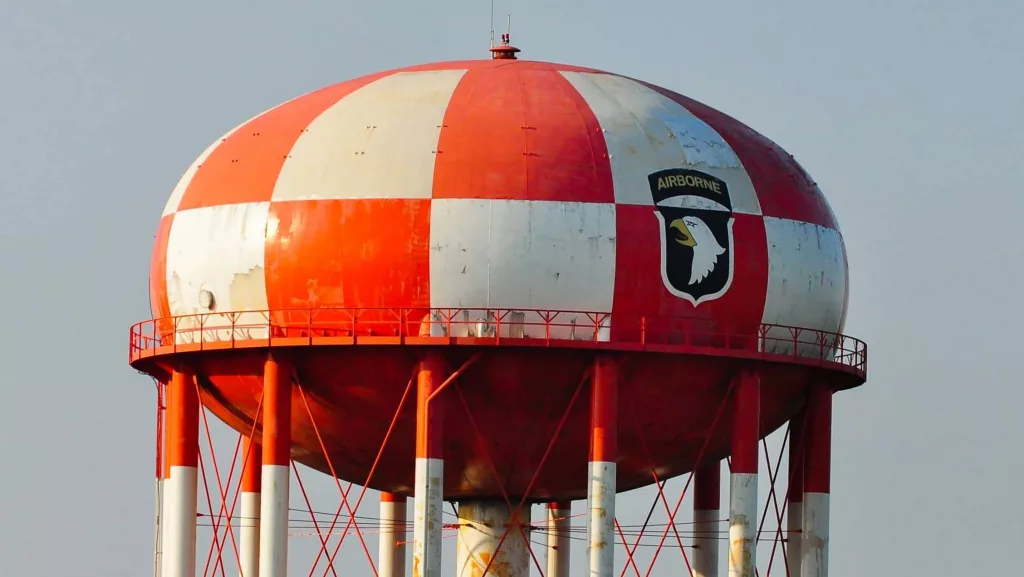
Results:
<point x="391" y="551"/>
<point x="180" y="485"/>
<point x="481" y="526"/>
<point x="249" y="526"/>
<point x="707" y="496"/>
<point x="277" y="401"/>
<point x="817" y="478"/>
<point x="603" y="449"/>
<point x="158" y="538"/>
<point x="743" y="481"/>
<point x="559" y="514"/>
<point x="426" y="554"/>
<point x="795" y="508"/>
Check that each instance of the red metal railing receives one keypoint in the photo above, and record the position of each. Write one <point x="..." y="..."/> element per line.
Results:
<point x="493" y="326"/>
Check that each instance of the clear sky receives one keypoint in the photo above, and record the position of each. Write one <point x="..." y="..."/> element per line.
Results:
<point x="910" y="115"/>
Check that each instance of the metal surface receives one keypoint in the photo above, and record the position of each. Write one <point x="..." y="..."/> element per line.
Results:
<point x="482" y="525"/>
<point x="181" y="476"/>
<point x="673" y="370"/>
<point x="604" y="448"/>
<point x="817" y="483"/>
<point x="429" y="472"/>
<point x="275" y="482"/>
<point x="393" y="531"/>
<point x="743" y="511"/>
<point x="335" y="326"/>
<point x="249" y="524"/>
<point x="512" y="183"/>
<point x="558" y="529"/>
<point x="707" y="515"/>
<point x="515" y="236"/>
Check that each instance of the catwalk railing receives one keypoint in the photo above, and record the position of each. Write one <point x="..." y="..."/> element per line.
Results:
<point x="508" y="327"/>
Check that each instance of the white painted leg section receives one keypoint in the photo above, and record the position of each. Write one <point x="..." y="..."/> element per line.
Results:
<point x="794" y="538"/>
<point x="558" y="542"/>
<point x="391" y="553"/>
<point x="481" y="526"/>
<point x="273" y="545"/>
<point x="705" y="555"/>
<point x="426" y="553"/>
<point x="249" y="535"/>
<point x="158" y="538"/>
<point x="601" y="520"/>
<point x="815" y="541"/>
<point x="179" y="531"/>
<point x="742" y="524"/>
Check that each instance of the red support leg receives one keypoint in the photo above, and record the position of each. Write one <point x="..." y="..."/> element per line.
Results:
<point x="249" y="526"/>
<point x="180" y="486"/>
<point x="817" y="479"/>
<point x="743" y="513"/>
<point x="603" y="453"/>
<point x="706" y="514"/>
<point x="277" y="407"/>
<point x="391" y="552"/>
<point x="427" y="523"/>
<point x="559" y="514"/>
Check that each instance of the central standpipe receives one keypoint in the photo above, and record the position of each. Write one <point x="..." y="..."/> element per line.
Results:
<point x="481" y="527"/>
<point x="427" y="522"/>
<point x="180" y="486"/>
<point x="391" y="550"/>
<point x="603" y="449"/>
<point x="707" y="496"/>
<point x="559" y="515"/>
<point x="277" y="406"/>
<point x="249" y="525"/>
<point x="817" y="480"/>
<point x="743" y="482"/>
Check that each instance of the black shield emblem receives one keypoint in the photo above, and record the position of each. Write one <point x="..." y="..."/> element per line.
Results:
<point x="695" y="213"/>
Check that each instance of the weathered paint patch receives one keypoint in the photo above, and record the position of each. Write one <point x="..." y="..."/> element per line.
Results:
<point x="743" y="515"/>
<point x="427" y="521"/>
<point x="806" y="283"/>
<point x="218" y="249"/>
<point x="646" y="132"/>
<point x="816" y="535"/>
<point x="380" y="141"/>
<point x="601" y="519"/>
<point x="524" y="255"/>
<point x="706" y="527"/>
<point x="482" y="524"/>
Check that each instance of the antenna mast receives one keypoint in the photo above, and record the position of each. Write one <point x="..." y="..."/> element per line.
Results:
<point x="492" y="24"/>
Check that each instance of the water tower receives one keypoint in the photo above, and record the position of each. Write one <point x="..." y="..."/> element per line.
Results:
<point x="570" y="283"/>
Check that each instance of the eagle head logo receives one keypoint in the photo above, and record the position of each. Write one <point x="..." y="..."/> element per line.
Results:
<point x="695" y="214"/>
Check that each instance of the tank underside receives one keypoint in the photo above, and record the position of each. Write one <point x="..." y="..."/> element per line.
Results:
<point x="504" y="408"/>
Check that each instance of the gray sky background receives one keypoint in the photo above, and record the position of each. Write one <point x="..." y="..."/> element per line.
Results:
<point x="907" y="114"/>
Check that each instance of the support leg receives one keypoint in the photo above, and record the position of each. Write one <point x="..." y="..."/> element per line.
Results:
<point x="277" y="401"/>
<point x="795" y="506"/>
<point x="558" y="538"/>
<point x="391" y="552"/>
<point x="249" y="525"/>
<point x="706" y="515"/>
<point x="427" y="523"/>
<point x="603" y="450"/>
<point x="481" y="525"/>
<point x="743" y="482"/>
<point x="180" y="485"/>
<point x="817" y="478"/>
